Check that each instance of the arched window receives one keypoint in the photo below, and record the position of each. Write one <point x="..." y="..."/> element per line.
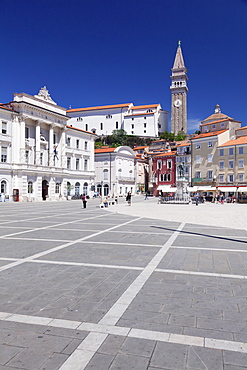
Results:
<point x="106" y="190"/>
<point x="57" y="188"/>
<point x="3" y="187"/>
<point x="99" y="188"/>
<point x="77" y="188"/>
<point x="105" y="174"/>
<point x="85" y="188"/>
<point x="101" y="125"/>
<point x="30" y="187"/>
<point x="86" y="127"/>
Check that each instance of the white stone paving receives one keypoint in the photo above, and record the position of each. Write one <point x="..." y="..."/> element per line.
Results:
<point x="234" y="216"/>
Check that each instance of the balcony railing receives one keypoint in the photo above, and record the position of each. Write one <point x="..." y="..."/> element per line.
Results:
<point x="125" y="178"/>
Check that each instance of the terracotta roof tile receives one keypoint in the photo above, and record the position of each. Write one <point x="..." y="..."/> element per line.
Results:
<point x="240" y="140"/>
<point x="145" y="106"/>
<point x="78" y="129"/>
<point x="241" y="128"/>
<point x="104" y="150"/>
<point x="99" y="107"/>
<point x="208" y="134"/>
<point x="220" y="120"/>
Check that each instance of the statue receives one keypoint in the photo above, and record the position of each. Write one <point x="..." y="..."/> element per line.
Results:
<point x="181" y="170"/>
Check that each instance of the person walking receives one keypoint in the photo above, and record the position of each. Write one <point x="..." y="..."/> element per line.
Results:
<point x="146" y="196"/>
<point x="84" y="201"/>
<point x="128" y="198"/>
<point x="196" y="198"/>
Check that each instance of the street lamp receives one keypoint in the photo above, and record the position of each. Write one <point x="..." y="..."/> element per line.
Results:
<point x="101" y="191"/>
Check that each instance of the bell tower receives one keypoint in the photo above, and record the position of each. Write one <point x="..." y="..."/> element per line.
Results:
<point x="179" y="91"/>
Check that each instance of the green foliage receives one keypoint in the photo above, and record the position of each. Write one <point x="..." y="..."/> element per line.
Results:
<point x="180" y="136"/>
<point x="170" y="136"/>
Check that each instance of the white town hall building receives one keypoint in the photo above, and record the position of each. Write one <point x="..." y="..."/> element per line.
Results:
<point x="42" y="157"/>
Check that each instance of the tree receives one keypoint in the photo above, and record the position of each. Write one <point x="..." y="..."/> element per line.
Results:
<point x="180" y="136"/>
<point x="118" y="137"/>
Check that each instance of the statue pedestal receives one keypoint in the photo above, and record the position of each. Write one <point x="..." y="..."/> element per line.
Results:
<point x="181" y="194"/>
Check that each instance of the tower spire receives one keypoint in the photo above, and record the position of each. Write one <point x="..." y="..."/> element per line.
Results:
<point x="179" y="91"/>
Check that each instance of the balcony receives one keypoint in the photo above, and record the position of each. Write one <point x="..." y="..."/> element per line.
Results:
<point x="125" y="178"/>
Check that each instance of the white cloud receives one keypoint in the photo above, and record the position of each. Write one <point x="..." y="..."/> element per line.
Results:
<point x="193" y="124"/>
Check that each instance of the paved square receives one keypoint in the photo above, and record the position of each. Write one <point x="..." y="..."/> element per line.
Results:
<point x="143" y="287"/>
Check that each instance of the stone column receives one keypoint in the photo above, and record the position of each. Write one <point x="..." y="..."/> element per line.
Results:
<point x="37" y="143"/>
<point x="51" y="146"/>
<point x="63" y="148"/>
<point x="22" y="139"/>
<point x="15" y="140"/>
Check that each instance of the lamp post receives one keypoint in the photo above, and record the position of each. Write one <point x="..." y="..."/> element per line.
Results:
<point x="101" y="191"/>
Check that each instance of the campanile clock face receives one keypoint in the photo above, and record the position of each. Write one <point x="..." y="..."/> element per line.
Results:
<point x="177" y="103"/>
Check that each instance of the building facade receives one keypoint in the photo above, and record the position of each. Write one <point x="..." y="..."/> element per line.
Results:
<point x="144" y="120"/>
<point x="115" y="171"/>
<point x="163" y="171"/>
<point x="37" y="162"/>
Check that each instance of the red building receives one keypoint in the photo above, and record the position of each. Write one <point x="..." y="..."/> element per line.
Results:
<point x="164" y="170"/>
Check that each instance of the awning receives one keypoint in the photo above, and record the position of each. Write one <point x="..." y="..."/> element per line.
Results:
<point x="166" y="188"/>
<point x="200" y="188"/>
<point x="233" y="189"/>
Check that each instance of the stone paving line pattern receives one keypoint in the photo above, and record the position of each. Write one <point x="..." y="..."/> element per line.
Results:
<point x="92" y="289"/>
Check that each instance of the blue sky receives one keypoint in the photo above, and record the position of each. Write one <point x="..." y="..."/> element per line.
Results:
<point x="100" y="52"/>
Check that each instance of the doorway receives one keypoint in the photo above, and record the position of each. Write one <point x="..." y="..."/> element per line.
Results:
<point x="45" y="187"/>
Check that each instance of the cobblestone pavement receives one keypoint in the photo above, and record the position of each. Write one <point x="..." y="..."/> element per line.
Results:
<point x="145" y="287"/>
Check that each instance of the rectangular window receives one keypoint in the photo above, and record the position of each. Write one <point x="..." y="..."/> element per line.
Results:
<point x="221" y="178"/>
<point x="54" y="139"/>
<point x="57" y="188"/>
<point x="241" y="177"/>
<point x="77" y="163"/>
<point x="198" y="146"/>
<point x="230" y="164"/>
<point x="68" y="163"/>
<point x="210" y="158"/>
<point x="116" y="125"/>
<point x="85" y="164"/>
<point x="222" y="165"/>
<point x="86" y="145"/>
<point x="230" y="177"/>
<point x="4" y="128"/>
<point x="68" y="141"/>
<point x="41" y="159"/>
<point x="4" y="154"/>
<point x="230" y="151"/>
<point x="169" y="164"/>
<point x="77" y="143"/>
<point x="26" y="156"/>
<point x="145" y="125"/>
<point x="222" y="124"/>
<point x="241" y="150"/>
<point x="159" y="165"/>
<point x="210" y="175"/>
<point x="210" y="144"/>
<point x="221" y="152"/>
<point x="132" y="126"/>
<point x="198" y="174"/>
<point x="241" y="163"/>
<point x="26" y="132"/>
<point x="198" y="159"/>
